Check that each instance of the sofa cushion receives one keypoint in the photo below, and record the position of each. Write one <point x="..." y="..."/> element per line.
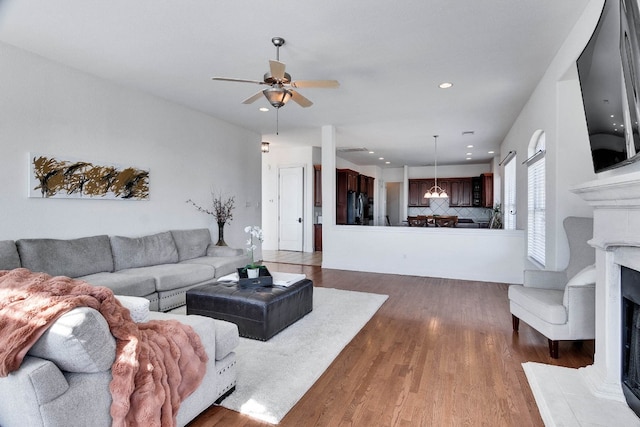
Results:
<point x="173" y="276"/>
<point x="223" y="265"/>
<point x="585" y="277"/>
<point x="227" y="338"/>
<point x="123" y="284"/>
<point x="79" y="341"/>
<point x="216" y="333"/>
<point x="138" y="307"/>
<point x="9" y="258"/>
<point x="131" y="252"/>
<point x="72" y="258"/>
<point x="191" y="243"/>
<point x="545" y="303"/>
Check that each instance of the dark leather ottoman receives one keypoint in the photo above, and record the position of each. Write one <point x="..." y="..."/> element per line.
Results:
<point x="260" y="312"/>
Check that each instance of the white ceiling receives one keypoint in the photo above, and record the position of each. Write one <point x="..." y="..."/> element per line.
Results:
<point x="389" y="58"/>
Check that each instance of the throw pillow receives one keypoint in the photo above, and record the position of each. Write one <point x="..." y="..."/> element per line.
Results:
<point x="79" y="341"/>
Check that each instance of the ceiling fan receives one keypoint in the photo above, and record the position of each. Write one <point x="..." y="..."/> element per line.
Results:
<point x="280" y="89"/>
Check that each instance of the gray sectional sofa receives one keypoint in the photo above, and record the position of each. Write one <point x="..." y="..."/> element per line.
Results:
<point x="64" y="379"/>
<point x="160" y="267"/>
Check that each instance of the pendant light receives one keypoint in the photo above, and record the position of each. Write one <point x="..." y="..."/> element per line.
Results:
<point x="435" y="191"/>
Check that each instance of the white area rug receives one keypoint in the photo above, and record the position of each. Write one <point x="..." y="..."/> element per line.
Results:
<point x="274" y="375"/>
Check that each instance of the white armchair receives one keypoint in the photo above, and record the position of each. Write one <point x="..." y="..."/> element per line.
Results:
<point x="560" y="304"/>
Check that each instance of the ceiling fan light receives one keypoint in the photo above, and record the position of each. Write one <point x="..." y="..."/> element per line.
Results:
<point x="277" y="96"/>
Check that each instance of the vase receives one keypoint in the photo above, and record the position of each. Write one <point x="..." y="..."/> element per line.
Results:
<point x="221" y="234"/>
<point x="252" y="273"/>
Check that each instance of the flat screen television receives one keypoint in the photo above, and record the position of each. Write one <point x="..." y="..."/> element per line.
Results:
<point x="607" y="69"/>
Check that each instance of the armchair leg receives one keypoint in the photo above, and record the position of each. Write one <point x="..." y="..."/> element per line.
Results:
<point x="553" y="349"/>
<point x="515" y="322"/>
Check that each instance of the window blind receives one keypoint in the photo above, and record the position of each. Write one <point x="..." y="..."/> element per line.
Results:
<point x="536" y="210"/>
<point x="509" y="211"/>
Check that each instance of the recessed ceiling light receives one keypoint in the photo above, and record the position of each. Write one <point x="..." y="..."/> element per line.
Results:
<point x="380" y="158"/>
<point x="469" y="146"/>
<point x="263" y="109"/>
<point x="491" y="152"/>
<point x="387" y="163"/>
<point x="445" y="85"/>
<point x="468" y="158"/>
<point x="468" y="154"/>
<point x="371" y="152"/>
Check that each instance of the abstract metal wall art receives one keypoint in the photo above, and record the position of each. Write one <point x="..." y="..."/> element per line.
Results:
<point x="53" y="177"/>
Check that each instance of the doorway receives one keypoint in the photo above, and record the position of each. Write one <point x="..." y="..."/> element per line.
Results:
<point x="393" y="203"/>
<point x="290" y="208"/>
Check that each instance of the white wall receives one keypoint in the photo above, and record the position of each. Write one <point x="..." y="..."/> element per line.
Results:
<point x="449" y="171"/>
<point x="556" y="107"/>
<point x="468" y="254"/>
<point x="51" y="109"/>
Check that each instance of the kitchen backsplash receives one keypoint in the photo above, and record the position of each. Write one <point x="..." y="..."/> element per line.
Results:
<point x="441" y="207"/>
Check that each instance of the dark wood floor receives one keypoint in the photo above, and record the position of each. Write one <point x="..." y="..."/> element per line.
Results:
<point x="439" y="352"/>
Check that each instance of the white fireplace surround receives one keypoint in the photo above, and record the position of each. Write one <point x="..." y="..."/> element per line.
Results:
<point x="593" y="395"/>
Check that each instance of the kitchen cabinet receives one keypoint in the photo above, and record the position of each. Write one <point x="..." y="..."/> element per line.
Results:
<point x="460" y="192"/>
<point x="417" y="188"/>
<point x="365" y="185"/>
<point x="317" y="237"/>
<point x="487" y="190"/>
<point x="317" y="185"/>
<point x="370" y="187"/>
<point x="476" y="191"/>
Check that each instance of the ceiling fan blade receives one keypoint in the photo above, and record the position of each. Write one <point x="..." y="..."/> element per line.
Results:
<point x="226" y="79"/>
<point x="277" y="69"/>
<point x="301" y="100"/>
<point x="315" y="83"/>
<point x="253" y="98"/>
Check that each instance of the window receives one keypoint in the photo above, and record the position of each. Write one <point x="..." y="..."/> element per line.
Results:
<point x="509" y="211"/>
<point x="536" y="198"/>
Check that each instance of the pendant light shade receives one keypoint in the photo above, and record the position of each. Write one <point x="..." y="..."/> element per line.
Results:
<point x="436" y="192"/>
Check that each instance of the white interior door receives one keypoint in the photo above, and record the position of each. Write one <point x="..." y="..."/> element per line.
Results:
<point x="290" y="208"/>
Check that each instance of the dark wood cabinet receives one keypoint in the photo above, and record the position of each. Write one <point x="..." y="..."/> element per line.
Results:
<point x="487" y="190"/>
<point x="463" y="192"/>
<point x="476" y="191"/>
<point x="417" y="189"/>
<point x="460" y="192"/>
<point x="317" y="185"/>
<point x="370" y="186"/>
<point x="365" y="185"/>
<point x="317" y="237"/>
<point x="350" y="178"/>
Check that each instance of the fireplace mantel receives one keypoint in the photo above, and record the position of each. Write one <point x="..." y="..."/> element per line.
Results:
<point x="593" y="394"/>
<point x="614" y="192"/>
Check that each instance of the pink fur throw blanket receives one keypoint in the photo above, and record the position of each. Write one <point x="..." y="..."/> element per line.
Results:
<point x="158" y="364"/>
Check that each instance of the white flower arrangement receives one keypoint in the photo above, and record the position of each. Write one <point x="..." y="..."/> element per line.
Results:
<point x="254" y="232"/>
